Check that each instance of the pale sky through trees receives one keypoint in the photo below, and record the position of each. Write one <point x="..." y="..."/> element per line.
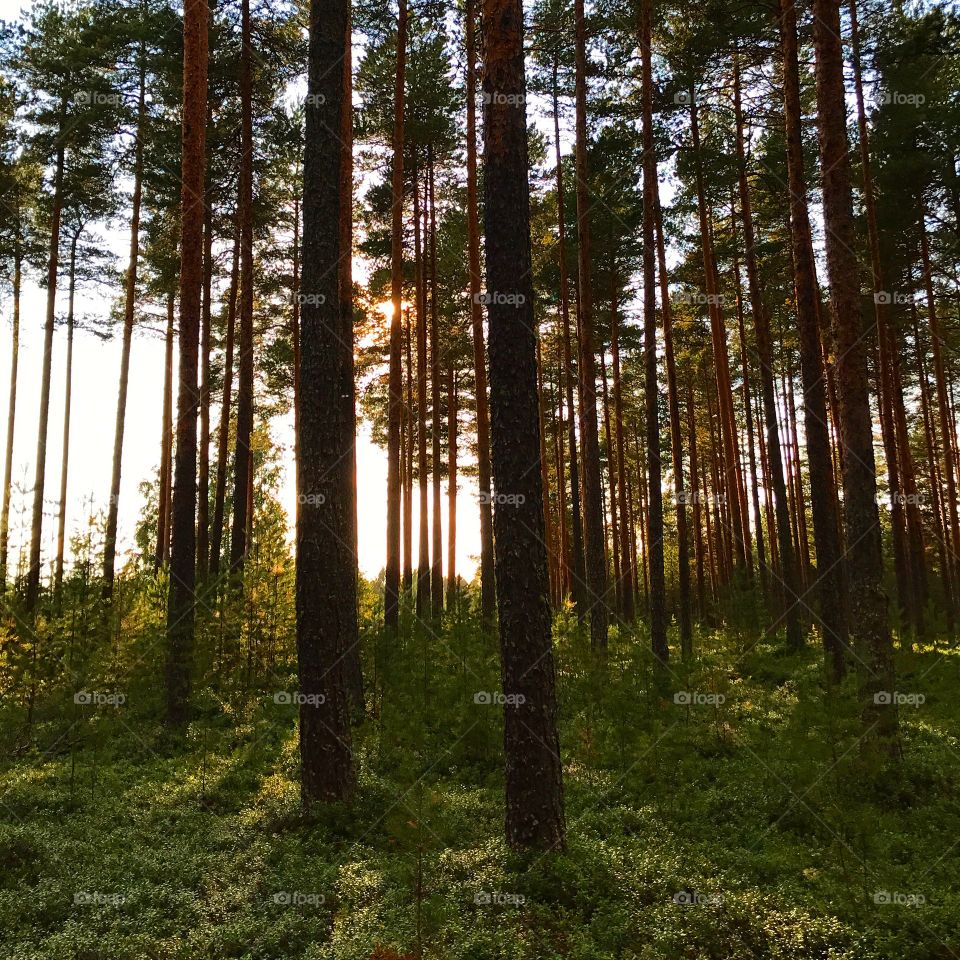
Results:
<point x="96" y="368"/>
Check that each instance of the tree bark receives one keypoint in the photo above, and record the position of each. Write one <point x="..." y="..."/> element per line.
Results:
<point x="534" y="786"/>
<point x="596" y="566"/>
<point x="391" y="598"/>
<point x="181" y="602"/>
<point x="326" y="625"/>
<point x="129" y="305"/>
<point x="868" y="602"/>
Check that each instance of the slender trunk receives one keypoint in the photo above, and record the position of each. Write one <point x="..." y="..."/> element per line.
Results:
<point x="789" y="573"/>
<point x="129" y="305"/>
<point x="578" y="567"/>
<point x="823" y="488"/>
<point x="391" y="599"/>
<point x="626" y="575"/>
<point x="534" y="785"/>
<point x="719" y="341"/>
<point x="423" y="549"/>
<point x="436" y="585"/>
<point x="242" y="457"/>
<point x="223" y="440"/>
<point x="166" y="448"/>
<point x="695" y="497"/>
<point x="452" y="583"/>
<point x="67" y="401"/>
<point x="596" y="567"/>
<point x="36" y="525"/>
<point x="203" y="450"/>
<point x="11" y="418"/>
<point x="183" y="567"/>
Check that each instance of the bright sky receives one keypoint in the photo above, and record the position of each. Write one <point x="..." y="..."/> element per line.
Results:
<point x="95" y="376"/>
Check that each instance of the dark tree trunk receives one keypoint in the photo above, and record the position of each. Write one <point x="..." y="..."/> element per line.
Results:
<point x="32" y="593"/>
<point x="654" y="530"/>
<point x="789" y="574"/>
<point x="436" y="567"/>
<point x="242" y="457"/>
<point x="578" y="563"/>
<point x="166" y="448"/>
<point x="823" y="490"/>
<point x="596" y="565"/>
<point x="488" y="596"/>
<point x="223" y="440"/>
<point x="391" y="598"/>
<point x="130" y="298"/>
<point x="11" y="420"/>
<point x="534" y="786"/>
<point x="67" y="404"/>
<point x="183" y="568"/>
<point x="868" y="602"/>
<point x="326" y="625"/>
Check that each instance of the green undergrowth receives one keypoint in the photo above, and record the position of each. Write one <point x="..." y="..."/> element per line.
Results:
<point x="743" y="821"/>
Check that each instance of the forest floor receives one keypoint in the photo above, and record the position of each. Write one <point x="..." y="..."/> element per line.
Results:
<point x="740" y="824"/>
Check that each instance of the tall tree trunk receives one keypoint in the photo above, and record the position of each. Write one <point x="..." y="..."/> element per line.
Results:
<point x="223" y="440"/>
<point x="32" y="592"/>
<point x="626" y="573"/>
<point x="408" y="463"/>
<point x="721" y="359"/>
<point x="436" y="420"/>
<point x="578" y="565"/>
<point x="348" y="384"/>
<point x="823" y="489"/>
<point x="789" y="572"/>
<point x="654" y="530"/>
<point x="203" y="450"/>
<point x="696" y="497"/>
<point x="242" y="457"/>
<point x="534" y="785"/>
<point x="181" y="603"/>
<point x="943" y="405"/>
<point x="676" y="439"/>
<point x="67" y="404"/>
<point x="423" y="548"/>
<point x="129" y="305"/>
<point x="452" y="581"/>
<point x="391" y="598"/>
<point x="166" y="448"/>
<point x="326" y="573"/>
<point x="868" y="602"/>
<point x="488" y="597"/>
<point x="596" y="566"/>
<point x="11" y="418"/>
